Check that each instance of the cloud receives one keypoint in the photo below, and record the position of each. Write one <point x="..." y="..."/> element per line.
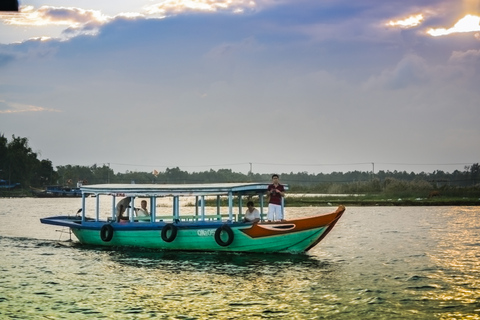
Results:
<point x="471" y="56"/>
<point x="411" y="21"/>
<point x="5" y="58"/>
<point x="410" y="71"/>
<point x="469" y="23"/>
<point x="11" y="107"/>
<point x="467" y="66"/>
<point x="48" y="15"/>
<point x="171" y="7"/>
<point x="75" y="20"/>
<point x="460" y="70"/>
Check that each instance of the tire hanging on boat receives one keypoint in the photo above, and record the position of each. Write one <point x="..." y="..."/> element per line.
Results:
<point x="218" y="238"/>
<point x="169" y="227"/>
<point x="106" y="233"/>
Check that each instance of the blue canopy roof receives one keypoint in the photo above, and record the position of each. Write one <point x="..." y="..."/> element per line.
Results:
<point x="175" y="189"/>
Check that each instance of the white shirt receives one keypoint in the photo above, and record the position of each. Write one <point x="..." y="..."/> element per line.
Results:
<point x="250" y="216"/>
<point x="142" y="212"/>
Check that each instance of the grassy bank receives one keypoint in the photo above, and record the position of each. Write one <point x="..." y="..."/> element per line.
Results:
<point x="379" y="201"/>
<point x="364" y="200"/>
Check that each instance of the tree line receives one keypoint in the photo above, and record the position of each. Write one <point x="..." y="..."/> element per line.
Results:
<point x="18" y="163"/>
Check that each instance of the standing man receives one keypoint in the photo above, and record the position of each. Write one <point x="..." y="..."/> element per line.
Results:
<point x="275" y="191"/>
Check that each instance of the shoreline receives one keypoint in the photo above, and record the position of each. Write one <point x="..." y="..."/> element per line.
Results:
<point x="386" y="203"/>
<point x="326" y="200"/>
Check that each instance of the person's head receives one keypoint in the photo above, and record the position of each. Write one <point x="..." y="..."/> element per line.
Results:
<point x="144" y="203"/>
<point x="275" y="177"/>
<point x="250" y="204"/>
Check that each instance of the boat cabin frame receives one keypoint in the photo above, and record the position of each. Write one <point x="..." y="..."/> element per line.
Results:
<point x="176" y="191"/>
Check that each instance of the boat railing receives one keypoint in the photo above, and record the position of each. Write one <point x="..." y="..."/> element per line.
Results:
<point x="195" y="218"/>
<point x="186" y="218"/>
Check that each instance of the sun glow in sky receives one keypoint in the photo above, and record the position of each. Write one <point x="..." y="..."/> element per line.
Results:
<point x="469" y="23"/>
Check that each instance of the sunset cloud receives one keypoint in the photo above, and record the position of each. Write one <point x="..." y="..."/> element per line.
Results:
<point x="76" y="21"/>
<point x="47" y="15"/>
<point x="178" y="6"/>
<point x="469" y="23"/>
<point x="411" y="21"/>
<point x="11" y="107"/>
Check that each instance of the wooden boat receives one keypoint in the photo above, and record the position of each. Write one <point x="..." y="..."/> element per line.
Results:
<point x="195" y="230"/>
<point x="56" y="191"/>
<point x="8" y="186"/>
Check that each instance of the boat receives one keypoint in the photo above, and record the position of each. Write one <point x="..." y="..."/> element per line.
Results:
<point x="56" y="191"/>
<point x="193" y="229"/>
<point x="4" y="184"/>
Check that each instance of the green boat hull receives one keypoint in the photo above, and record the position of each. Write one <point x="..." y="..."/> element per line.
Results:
<point x="189" y="239"/>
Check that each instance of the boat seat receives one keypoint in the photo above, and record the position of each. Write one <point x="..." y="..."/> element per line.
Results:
<point x="142" y="219"/>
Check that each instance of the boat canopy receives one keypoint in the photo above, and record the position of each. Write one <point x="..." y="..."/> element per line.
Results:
<point x="175" y="191"/>
<point x="163" y="190"/>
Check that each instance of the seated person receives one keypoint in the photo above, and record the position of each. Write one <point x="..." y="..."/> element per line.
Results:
<point x="252" y="214"/>
<point x="142" y="213"/>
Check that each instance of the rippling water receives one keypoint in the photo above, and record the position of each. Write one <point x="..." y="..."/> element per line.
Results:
<point x="377" y="263"/>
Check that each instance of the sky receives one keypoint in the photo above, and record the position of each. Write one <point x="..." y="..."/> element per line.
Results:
<point x="272" y="86"/>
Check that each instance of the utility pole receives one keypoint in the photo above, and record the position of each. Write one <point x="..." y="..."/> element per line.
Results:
<point x="250" y="172"/>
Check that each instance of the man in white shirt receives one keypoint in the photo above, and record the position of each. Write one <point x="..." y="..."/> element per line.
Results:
<point x="143" y="211"/>
<point x="252" y="214"/>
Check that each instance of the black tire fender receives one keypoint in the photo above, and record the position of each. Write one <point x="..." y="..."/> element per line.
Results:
<point x="173" y="232"/>
<point x="218" y="238"/>
<point x="106" y="233"/>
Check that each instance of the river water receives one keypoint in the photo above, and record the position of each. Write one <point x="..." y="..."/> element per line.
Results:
<point x="377" y="263"/>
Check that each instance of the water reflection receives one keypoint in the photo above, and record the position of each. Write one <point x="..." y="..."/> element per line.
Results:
<point x="220" y="261"/>
<point x="378" y="263"/>
<point x="458" y="259"/>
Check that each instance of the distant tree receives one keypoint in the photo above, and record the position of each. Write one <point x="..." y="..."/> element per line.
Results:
<point x="18" y="163"/>
<point x="45" y="174"/>
<point x="474" y="171"/>
<point x="3" y="157"/>
<point x="175" y="175"/>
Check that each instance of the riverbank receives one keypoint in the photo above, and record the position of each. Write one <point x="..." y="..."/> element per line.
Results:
<point x="369" y="202"/>
<point x="326" y="200"/>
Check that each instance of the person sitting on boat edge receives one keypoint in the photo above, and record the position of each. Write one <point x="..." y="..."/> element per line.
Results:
<point x="251" y="214"/>
<point x="121" y="207"/>
<point x="275" y="191"/>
